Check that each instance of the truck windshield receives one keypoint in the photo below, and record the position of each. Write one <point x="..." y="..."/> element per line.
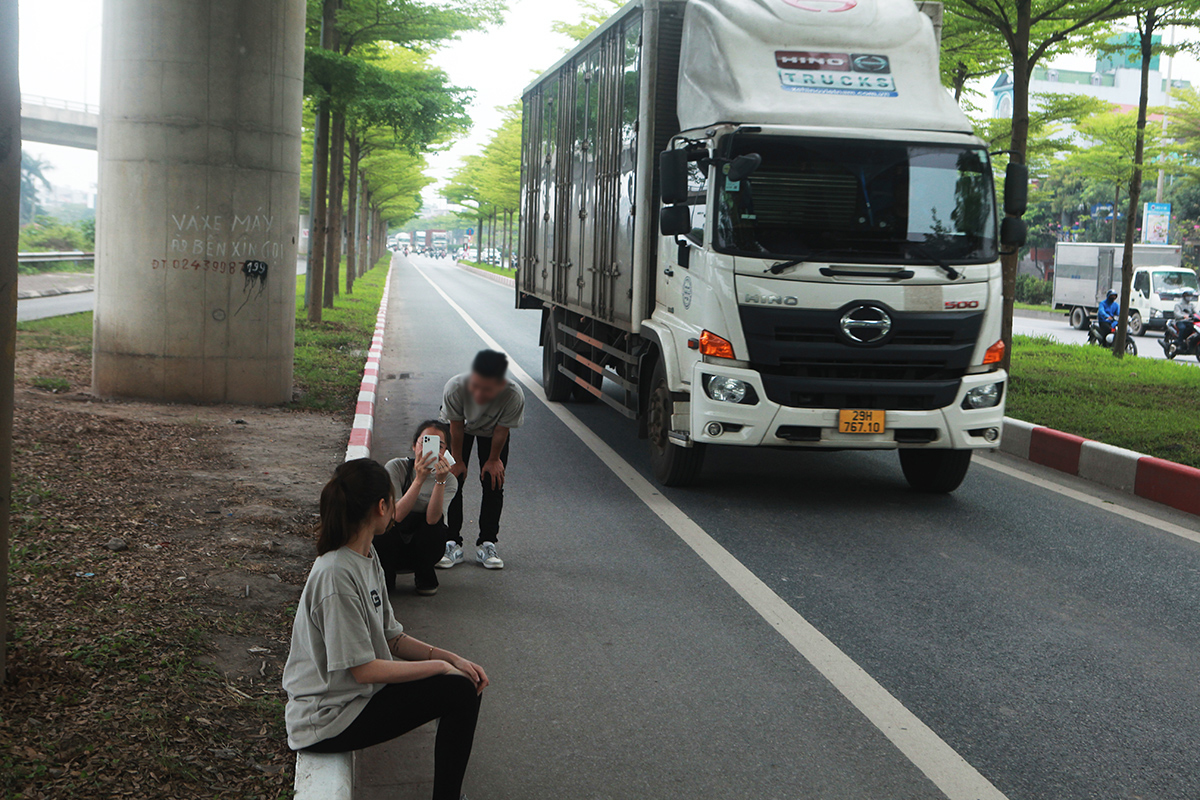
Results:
<point x="1174" y="282"/>
<point x="858" y="201"/>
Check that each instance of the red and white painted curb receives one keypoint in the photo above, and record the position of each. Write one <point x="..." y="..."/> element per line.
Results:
<point x="364" y="413"/>
<point x="1152" y="478"/>
<point x="330" y="776"/>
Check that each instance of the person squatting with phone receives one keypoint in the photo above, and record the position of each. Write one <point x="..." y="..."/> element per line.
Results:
<point x="353" y="677"/>
<point x="425" y="488"/>
<point x="482" y="407"/>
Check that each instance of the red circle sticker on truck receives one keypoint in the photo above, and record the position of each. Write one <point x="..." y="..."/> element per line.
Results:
<point x="832" y="6"/>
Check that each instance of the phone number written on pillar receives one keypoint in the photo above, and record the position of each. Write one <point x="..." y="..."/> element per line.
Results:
<point x="220" y="267"/>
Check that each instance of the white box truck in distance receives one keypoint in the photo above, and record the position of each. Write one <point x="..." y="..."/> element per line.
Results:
<point x="815" y="264"/>
<point x="1084" y="272"/>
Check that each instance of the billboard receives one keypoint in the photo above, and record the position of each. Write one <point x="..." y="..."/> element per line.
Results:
<point x="1156" y="223"/>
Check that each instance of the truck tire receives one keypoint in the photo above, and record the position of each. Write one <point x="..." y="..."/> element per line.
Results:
<point x="672" y="465"/>
<point x="1079" y="319"/>
<point x="556" y="385"/>
<point x="1136" y="326"/>
<point x="935" y="471"/>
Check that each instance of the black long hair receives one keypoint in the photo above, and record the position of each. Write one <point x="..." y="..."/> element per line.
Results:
<point x="441" y="427"/>
<point x="354" y="490"/>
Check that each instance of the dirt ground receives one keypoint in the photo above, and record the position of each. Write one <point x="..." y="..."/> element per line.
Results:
<point x="157" y="555"/>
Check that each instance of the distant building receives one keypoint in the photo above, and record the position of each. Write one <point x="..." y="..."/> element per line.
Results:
<point x="1117" y="79"/>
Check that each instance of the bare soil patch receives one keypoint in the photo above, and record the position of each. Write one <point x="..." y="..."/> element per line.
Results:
<point x="157" y="555"/>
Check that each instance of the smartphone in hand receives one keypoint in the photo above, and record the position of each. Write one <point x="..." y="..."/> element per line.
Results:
<point x="431" y="446"/>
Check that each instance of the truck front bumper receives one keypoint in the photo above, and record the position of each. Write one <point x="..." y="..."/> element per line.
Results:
<point x="769" y="424"/>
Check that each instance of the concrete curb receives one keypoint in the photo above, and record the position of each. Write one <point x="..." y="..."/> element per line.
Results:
<point x="1030" y="314"/>
<point x="330" y="776"/>
<point x="1155" y="479"/>
<point x="29" y="294"/>
<point x="491" y="276"/>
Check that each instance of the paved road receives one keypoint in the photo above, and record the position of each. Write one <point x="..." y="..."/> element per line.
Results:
<point x="1149" y="345"/>
<point x="60" y="305"/>
<point x="649" y="643"/>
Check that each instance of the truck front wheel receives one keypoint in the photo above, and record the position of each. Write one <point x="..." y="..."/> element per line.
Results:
<point x="673" y="465"/>
<point x="935" y="471"/>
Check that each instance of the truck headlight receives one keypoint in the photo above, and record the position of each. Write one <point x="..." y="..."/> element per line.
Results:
<point x="984" y="396"/>
<point x="729" y="390"/>
<point x="1155" y="313"/>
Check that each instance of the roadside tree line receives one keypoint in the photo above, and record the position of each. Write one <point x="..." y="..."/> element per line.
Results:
<point x="375" y="107"/>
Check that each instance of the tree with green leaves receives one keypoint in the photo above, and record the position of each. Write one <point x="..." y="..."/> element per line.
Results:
<point x="1111" y="156"/>
<point x="1152" y="18"/>
<point x="969" y="52"/>
<point x="352" y="91"/>
<point x="33" y="176"/>
<point x="594" y="13"/>
<point x="1033" y="30"/>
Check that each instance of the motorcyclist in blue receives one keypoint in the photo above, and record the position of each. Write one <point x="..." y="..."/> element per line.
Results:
<point x="1108" y="315"/>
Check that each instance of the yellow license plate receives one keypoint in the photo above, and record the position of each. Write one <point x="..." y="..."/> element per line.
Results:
<point x="852" y="421"/>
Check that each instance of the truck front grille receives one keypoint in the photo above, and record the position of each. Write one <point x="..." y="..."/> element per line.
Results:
<point x="806" y="362"/>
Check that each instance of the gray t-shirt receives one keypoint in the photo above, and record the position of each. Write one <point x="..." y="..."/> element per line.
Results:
<point x="401" y="470"/>
<point x="508" y="409"/>
<point x="344" y="620"/>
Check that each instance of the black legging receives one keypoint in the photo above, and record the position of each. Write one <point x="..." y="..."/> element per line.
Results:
<point x="401" y="707"/>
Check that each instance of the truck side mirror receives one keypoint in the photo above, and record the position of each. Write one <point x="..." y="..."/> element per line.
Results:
<point x="1016" y="189"/>
<point x="1013" y="232"/>
<point x="675" y="220"/>
<point x="743" y="167"/>
<point x="673" y="172"/>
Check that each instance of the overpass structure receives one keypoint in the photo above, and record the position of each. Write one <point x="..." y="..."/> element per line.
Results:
<point x="61" y="122"/>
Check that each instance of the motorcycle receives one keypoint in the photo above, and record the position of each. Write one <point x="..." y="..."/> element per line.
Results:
<point x="1096" y="337"/>
<point x="1182" y="344"/>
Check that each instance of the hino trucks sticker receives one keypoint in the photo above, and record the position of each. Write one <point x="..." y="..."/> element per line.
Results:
<point x="862" y="74"/>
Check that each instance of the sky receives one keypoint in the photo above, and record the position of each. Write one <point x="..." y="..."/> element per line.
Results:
<point x="60" y="58"/>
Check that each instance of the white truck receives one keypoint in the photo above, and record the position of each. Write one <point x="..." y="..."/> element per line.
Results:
<point x="764" y="223"/>
<point x="1084" y="272"/>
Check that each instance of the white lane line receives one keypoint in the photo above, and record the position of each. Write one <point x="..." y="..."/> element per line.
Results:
<point x="1111" y="506"/>
<point x="949" y="771"/>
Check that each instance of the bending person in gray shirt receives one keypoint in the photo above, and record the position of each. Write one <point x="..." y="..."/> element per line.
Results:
<point x="482" y="407"/>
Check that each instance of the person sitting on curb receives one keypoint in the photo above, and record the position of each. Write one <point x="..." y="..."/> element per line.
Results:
<point x="482" y="407"/>
<point x="353" y="677"/>
<point x="425" y="487"/>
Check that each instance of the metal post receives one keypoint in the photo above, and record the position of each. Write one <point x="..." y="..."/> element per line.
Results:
<point x="10" y="211"/>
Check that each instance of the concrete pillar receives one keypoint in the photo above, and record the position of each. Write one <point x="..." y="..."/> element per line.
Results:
<point x="197" y="219"/>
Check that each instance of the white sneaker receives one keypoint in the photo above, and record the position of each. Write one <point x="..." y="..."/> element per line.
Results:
<point x="454" y="555"/>
<point x="486" y="555"/>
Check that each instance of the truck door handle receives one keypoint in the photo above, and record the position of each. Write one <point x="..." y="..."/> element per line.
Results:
<point x="670" y="273"/>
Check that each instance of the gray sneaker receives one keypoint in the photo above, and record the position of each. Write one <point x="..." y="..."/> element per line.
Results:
<point x="454" y="555"/>
<point x="486" y="555"/>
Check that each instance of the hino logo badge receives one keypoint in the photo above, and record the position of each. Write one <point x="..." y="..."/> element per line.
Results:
<point x="769" y="300"/>
<point x="861" y="74"/>
<point x="866" y="324"/>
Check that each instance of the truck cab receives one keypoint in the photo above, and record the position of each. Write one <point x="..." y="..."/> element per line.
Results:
<point x="1155" y="291"/>
<point x="845" y="293"/>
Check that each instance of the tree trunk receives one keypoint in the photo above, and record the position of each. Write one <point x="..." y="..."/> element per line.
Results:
<point x="337" y="191"/>
<point x="479" y="239"/>
<point x="320" y="221"/>
<point x="320" y="228"/>
<point x="1022" y="71"/>
<point x="1135" y="182"/>
<point x="352" y="218"/>
<point x="10" y="213"/>
<point x="364" y="231"/>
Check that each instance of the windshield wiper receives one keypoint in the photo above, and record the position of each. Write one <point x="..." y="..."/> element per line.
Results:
<point x="776" y="269"/>
<point x="928" y="255"/>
